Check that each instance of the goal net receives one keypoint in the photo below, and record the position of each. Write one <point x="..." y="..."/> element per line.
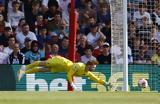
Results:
<point x="135" y="44"/>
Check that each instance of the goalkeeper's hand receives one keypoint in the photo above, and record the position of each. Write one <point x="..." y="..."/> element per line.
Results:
<point x="74" y="87"/>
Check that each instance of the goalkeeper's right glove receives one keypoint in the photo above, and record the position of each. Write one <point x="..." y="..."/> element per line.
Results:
<point x="74" y="86"/>
<point x="108" y="85"/>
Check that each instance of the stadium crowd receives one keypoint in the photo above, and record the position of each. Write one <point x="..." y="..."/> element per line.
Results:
<point x="32" y="30"/>
<point x="144" y="31"/>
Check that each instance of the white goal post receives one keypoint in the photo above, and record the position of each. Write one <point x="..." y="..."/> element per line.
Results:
<point x="119" y="49"/>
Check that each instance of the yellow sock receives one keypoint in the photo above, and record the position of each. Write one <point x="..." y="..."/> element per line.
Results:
<point x="33" y="70"/>
<point x="34" y="64"/>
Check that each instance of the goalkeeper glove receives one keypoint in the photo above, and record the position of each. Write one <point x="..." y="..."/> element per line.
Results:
<point x="108" y="85"/>
<point x="74" y="86"/>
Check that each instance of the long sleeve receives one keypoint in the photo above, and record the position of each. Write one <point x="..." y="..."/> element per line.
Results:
<point x="70" y="76"/>
<point x="94" y="78"/>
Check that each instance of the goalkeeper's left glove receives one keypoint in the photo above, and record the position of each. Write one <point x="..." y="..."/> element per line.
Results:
<point x="74" y="86"/>
<point x="108" y="85"/>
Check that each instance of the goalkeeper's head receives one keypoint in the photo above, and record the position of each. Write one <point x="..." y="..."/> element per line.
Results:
<point x="91" y="65"/>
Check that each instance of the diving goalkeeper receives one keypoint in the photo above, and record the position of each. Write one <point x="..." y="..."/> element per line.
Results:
<point x="61" y="64"/>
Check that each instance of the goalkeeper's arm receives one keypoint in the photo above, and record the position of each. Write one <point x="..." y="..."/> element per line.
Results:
<point x="69" y="77"/>
<point x="96" y="79"/>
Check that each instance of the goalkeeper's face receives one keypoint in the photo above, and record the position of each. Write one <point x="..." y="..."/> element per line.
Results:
<point x="91" y="67"/>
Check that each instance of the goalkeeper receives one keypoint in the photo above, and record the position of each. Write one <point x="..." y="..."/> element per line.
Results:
<point x="61" y="64"/>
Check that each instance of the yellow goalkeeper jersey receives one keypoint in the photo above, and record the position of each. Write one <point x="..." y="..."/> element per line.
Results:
<point x="61" y="64"/>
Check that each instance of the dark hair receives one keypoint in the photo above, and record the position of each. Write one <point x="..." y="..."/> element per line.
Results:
<point x="88" y="47"/>
<point x="65" y="38"/>
<point x="53" y="3"/>
<point x="7" y="29"/>
<point x="35" y="2"/>
<point x="15" y="2"/>
<point x="21" y="20"/>
<point x="142" y="5"/>
<point x="12" y="37"/>
<point x="26" y="24"/>
<point x="93" y="25"/>
<point x="34" y="42"/>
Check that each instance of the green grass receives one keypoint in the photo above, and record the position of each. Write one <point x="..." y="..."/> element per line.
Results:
<point x="79" y="98"/>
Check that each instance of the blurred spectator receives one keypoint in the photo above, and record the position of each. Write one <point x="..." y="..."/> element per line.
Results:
<point x="15" y="14"/>
<point x="151" y="5"/>
<point x="63" y="4"/>
<point x="35" y="10"/>
<point x="82" y="44"/>
<point x="135" y="47"/>
<point x="99" y="49"/>
<point x="156" y="15"/>
<point x="3" y="56"/>
<point x="105" y="56"/>
<point x="44" y="6"/>
<point x="130" y="57"/>
<point x="1" y="48"/>
<point x="27" y="7"/>
<point x="53" y="25"/>
<point x="34" y="54"/>
<point x="27" y="43"/>
<point x="11" y="41"/>
<point x="42" y="37"/>
<point x="25" y="33"/>
<point x="3" y="24"/>
<point x="86" y="12"/>
<point x="144" y="31"/>
<point x="3" y="11"/>
<point x="10" y="6"/>
<point x="117" y="54"/>
<point x="156" y="57"/>
<point x="131" y="33"/>
<point x="77" y="56"/>
<point x="88" y="55"/>
<point x="47" y="48"/>
<point x="106" y="30"/>
<point x="54" y="51"/>
<point x="142" y="57"/>
<point x="94" y="34"/>
<point x="5" y="36"/>
<point x="153" y="47"/>
<point x="38" y="24"/>
<point x="97" y="2"/>
<point x="155" y="33"/>
<point x="21" y="22"/>
<point x="53" y="8"/>
<point x="85" y="29"/>
<point x="80" y="4"/>
<point x="63" y="51"/>
<point x="16" y="57"/>
<point x="65" y="13"/>
<point x="60" y="29"/>
<point x="54" y="39"/>
<point x="63" y="30"/>
<point x="137" y="16"/>
<point x="103" y="14"/>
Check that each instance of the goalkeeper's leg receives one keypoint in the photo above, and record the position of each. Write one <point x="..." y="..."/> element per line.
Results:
<point x="32" y="65"/>
<point x="30" y="71"/>
<point x="32" y="68"/>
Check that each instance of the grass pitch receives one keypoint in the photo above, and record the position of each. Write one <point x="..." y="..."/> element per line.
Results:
<point x="79" y="98"/>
